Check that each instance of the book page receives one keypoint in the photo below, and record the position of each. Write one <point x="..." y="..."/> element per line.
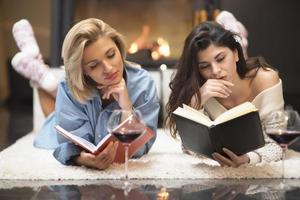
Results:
<point x="193" y="114"/>
<point x="104" y="142"/>
<point x="235" y="112"/>
<point x="77" y="140"/>
<point x="191" y="109"/>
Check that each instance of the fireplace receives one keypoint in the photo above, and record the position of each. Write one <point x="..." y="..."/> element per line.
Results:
<point x="154" y="29"/>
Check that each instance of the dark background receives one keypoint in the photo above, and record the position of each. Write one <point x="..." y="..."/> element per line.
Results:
<point x="274" y="31"/>
<point x="273" y="27"/>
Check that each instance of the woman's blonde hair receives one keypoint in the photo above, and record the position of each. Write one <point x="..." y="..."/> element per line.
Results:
<point x="80" y="36"/>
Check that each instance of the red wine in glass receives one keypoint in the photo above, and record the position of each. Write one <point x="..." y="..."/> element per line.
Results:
<point x="127" y="137"/>
<point x="281" y="126"/>
<point x="126" y="126"/>
<point x="284" y="137"/>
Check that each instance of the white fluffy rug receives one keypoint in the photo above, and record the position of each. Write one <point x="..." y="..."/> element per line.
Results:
<point x="22" y="161"/>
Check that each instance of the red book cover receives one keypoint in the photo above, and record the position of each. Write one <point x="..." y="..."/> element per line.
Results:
<point x="120" y="155"/>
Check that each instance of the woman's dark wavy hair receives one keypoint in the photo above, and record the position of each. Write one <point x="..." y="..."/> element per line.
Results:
<point x="187" y="79"/>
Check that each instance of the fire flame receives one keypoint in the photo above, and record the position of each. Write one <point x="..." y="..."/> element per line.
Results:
<point x="160" y="48"/>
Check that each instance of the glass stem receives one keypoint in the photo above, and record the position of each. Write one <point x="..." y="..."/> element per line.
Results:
<point x="284" y="148"/>
<point x="126" y="161"/>
<point x="127" y="186"/>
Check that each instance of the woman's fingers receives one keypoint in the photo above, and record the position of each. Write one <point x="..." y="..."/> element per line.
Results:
<point x="100" y="161"/>
<point x="232" y="160"/>
<point x="227" y="83"/>
<point x="231" y="155"/>
<point x="238" y="160"/>
<point x="217" y="93"/>
<point x="221" y="85"/>
<point x="106" y="157"/>
<point x="215" y="88"/>
<point x="113" y="89"/>
<point x="222" y="160"/>
<point x="112" y="152"/>
<point x="116" y="145"/>
<point x="86" y="159"/>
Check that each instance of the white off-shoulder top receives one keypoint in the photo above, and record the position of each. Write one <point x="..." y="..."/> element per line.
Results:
<point x="268" y="100"/>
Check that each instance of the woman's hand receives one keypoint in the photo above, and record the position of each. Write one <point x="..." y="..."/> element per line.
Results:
<point x="215" y="88"/>
<point x="119" y="92"/>
<point x="233" y="160"/>
<point x="100" y="161"/>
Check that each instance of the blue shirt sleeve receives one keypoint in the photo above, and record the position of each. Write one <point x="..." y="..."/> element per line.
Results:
<point x="70" y="115"/>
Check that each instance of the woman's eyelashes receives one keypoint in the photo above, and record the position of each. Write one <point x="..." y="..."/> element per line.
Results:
<point x="93" y="65"/>
<point x="204" y="65"/>
<point x="220" y="59"/>
<point x="111" y="55"/>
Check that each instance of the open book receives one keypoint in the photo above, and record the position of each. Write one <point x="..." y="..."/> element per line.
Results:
<point x="238" y="129"/>
<point x="95" y="149"/>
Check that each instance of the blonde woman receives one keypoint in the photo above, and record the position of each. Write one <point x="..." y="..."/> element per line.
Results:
<point x="98" y="80"/>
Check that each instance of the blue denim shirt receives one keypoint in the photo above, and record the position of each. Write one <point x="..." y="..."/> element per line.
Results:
<point x="89" y="120"/>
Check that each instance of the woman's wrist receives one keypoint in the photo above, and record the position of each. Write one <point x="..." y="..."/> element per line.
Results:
<point x="247" y="159"/>
<point x="80" y="160"/>
<point x="253" y="157"/>
<point x="76" y="160"/>
<point x="127" y="107"/>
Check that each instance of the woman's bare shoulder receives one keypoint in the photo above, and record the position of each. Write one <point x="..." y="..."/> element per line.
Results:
<point x="265" y="78"/>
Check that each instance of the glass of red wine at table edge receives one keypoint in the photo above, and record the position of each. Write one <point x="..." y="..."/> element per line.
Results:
<point x="126" y="126"/>
<point x="283" y="126"/>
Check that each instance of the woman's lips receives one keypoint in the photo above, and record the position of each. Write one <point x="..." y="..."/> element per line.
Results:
<point x="111" y="76"/>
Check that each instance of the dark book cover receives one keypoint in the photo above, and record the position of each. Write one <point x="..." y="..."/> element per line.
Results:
<point x="240" y="135"/>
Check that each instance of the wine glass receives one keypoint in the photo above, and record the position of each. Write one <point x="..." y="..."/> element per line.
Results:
<point x="283" y="126"/>
<point x="126" y="126"/>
